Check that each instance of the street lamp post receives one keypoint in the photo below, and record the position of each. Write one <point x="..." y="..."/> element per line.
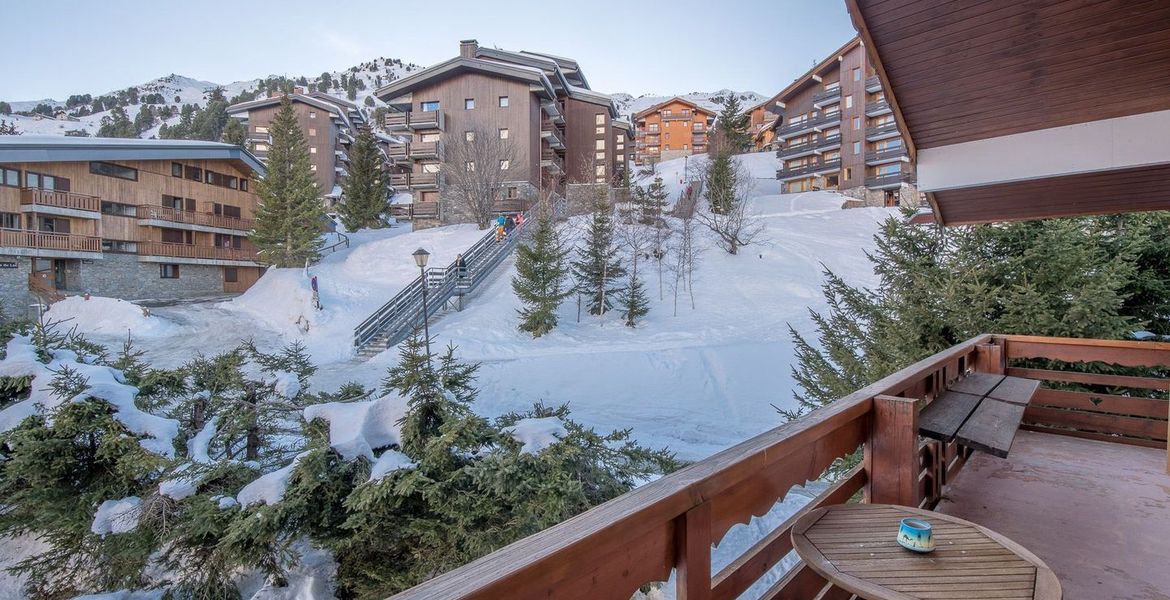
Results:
<point x="420" y="259"/>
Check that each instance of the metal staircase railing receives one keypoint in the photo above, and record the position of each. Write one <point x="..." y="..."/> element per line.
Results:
<point x="394" y="321"/>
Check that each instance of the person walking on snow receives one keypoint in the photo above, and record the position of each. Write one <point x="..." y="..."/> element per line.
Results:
<point x="509" y="225"/>
<point x="460" y="267"/>
<point x="519" y="219"/>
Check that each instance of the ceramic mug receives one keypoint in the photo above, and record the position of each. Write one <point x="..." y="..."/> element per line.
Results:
<point x="916" y="535"/>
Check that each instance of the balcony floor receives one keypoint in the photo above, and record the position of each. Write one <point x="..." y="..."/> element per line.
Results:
<point x="1097" y="513"/>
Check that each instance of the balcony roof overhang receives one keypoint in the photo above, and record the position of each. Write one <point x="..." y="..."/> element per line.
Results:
<point x="1009" y="125"/>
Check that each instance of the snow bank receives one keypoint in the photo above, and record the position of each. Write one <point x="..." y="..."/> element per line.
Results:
<point x="537" y="434"/>
<point x="287" y="384"/>
<point x="102" y="382"/>
<point x="269" y="488"/>
<point x="390" y="461"/>
<point x="358" y="428"/>
<point x="197" y="445"/>
<point x="100" y="315"/>
<point x="116" y="516"/>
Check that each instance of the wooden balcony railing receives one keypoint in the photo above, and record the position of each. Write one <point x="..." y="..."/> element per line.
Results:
<point x="39" y="197"/>
<point x="194" y="251"/>
<point x="425" y="210"/>
<point x="166" y="213"/>
<point x="44" y="240"/>
<point x="668" y="525"/>
<point x="425" y="149"/>
<point x="430" y="119"/>
<point x="398" y="151"/>
<point x="679" y="117"/>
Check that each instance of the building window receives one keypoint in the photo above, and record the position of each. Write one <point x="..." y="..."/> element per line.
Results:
<point x="243" y="185"/>
<point x="848" y="172"/>
<point x="469" y="136"/>
<point x="503" y="102"/>
<point x="599" y="145"/>
<point x="654" y="128"/>
<point x="856" y="123"/>
<point x="176" y="169"/>
<point x="166" y="271"/>
<point x="119" y="246"/>
<point x="856" y="73"/>
<point x="119" y="209"/>
<point x="504" y="132"/>
<point x="599" y="170"/>
<point x="599" y="156"/>
<point x="231" y="274"/>
<point x="10" y="220"/>
<point x="599" y="119"/>
<point x="312" y="149"/>
<point x="261" y="147"/>
<point x="9" y="177"/>
<point x="312" y="114"/>
<point x="193" y="173"/>
<point x="312" y="131"/>
<point x="468" y="103"/>
<point x="599" y="131"/>
<point x="431" y="106"/>
<point x="504" y="164"/>
<point x="469" y="166"/>
<point x="857" y="147"/>
<point x="849" y="101"/>
<point x="228" y="241"/>
<point x="313" y="168"/>
<point x="260" y="129"/>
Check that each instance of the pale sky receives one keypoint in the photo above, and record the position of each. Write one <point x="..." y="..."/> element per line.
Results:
<point x="68" y="47"/>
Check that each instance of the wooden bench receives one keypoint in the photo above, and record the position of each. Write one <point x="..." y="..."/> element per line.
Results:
<point x="981" y="411"/>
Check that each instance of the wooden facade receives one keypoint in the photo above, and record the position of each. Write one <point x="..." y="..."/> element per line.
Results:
<point x="672" y="129"/>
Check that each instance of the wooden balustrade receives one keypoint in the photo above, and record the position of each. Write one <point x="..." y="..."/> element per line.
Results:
<point x="670" y="524"/>
<point x="39" y="197"/>
<point x="166" y="213"/>
<point x="153" y="248"/>
<point x="45" y="240"/>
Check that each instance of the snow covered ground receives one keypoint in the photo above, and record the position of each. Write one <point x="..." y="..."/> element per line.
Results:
<point x="697" y="382"/>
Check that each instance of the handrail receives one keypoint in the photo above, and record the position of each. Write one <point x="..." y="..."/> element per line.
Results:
<point x="174" y="215"/>
<point x="59" y="199"/>
<point x="48" y="240"/>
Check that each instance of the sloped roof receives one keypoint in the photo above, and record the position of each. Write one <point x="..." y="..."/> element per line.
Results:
<point x="54" y="148"/>
<point x="461" y="64"/>
<point x="671" y="100"/>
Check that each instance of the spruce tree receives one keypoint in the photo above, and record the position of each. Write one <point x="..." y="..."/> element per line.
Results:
<point x="734" y="125"/>
<point x="234" y="133"/>
<point x="117" y="125"/>
<point x="288" y="222"/>
<point x="654" y="202"/>
<point x="598" y="268"/>
<point x="540" y="278"/>
<point x="720" y="183"/>
<point x="365" y="186"/>
<point x="635" y="305"/>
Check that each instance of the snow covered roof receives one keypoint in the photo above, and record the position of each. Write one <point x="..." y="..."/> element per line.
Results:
<point x="329" y="105"/>
<point x="589" y="95"/>
<point x="55" y="148"/>
<point x="546" y="64"/>
<point x="461" y="64"/>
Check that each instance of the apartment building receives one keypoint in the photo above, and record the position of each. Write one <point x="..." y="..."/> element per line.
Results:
<point x="761" y="118"/>
<point x="126" y="218"/>
<point x="328" y="123"/>
<point x="624" y="147"/>
<point x="562" y="131"/>
<point x="836" y="131"/>
<point x="671" y="129"/>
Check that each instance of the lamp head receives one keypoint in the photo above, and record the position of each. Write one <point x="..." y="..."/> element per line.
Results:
<point x="420" y="257"/>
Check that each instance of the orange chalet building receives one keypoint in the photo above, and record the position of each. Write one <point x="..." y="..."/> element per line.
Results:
<point x="671" y="129"/>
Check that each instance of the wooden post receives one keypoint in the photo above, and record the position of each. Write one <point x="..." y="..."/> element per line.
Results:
<point x="989" y="358"/>
<point x="693" y="549"/>
<point x="891" y="452"/>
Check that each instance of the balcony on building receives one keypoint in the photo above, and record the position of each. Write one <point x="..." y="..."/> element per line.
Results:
<point x="168" y="252"/>
<point x="419" y="150"/>
<point x="65" y="204"/>
<point x="824" y="98"/>
<point x="552" y="162"/>
<point x="887" y="155"/>
<point x="48" y="244"/>
<point x="414" y="120"/>
<point x="786" y="173"/>
<point x="165" y="216"/>
<point x="877" y="108"/>
<point x="873" y="85"/>
<point x="682" y="116"/>
<point x="819" y="121"/>
<point x="884" y="131"/>
<point x="553" y="109"/>
<point x="423" y="181"/>
<point x="551" y="134"/>
<point x="889" y="181"/>
<point x="398" y="153"/>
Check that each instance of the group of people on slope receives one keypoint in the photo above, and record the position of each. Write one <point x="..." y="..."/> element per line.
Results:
<point x="506" y="223"/>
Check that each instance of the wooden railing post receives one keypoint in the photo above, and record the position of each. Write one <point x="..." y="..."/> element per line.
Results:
<point x="693" y="548"/>
<point x="891" y="452"/>
<point x="989" y="358"/>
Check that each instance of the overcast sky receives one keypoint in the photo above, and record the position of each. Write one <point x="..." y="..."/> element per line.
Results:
<point x="67" y="46"/>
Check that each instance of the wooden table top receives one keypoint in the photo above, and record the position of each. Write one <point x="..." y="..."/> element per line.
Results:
<point x="854" y="547"/>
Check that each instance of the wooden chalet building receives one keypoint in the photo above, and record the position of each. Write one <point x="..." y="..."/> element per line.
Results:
<point x="1013" y="110"/>
<point x="126" y="218"/>
<point x="562" y="132"/>
<point x="671" y="129"/>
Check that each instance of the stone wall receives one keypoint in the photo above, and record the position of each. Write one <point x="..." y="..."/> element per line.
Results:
<point x="907" y="195"/>
<point x="123" y="276"/>
<point x="15" y="299"/>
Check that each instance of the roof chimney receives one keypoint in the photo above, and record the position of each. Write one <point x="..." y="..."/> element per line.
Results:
<point x="467" y="48"/>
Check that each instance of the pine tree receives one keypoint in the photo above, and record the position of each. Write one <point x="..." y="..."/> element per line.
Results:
<point x="117" y="125"/>
<point x="5" y="108"/>
<point x="365" y="186"/>
<point x="733" y="125"/>
<point x="288" y="222"/>
<point x="721" y="181"/>
<point x="597" y="268"/>
<point x="234" y="133"/>
<point x="635" y="305"/>
<point x="653" y="205"/>
<point x="540" y="278"/>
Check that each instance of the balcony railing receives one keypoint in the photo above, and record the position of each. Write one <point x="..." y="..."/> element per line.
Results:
<point x="551" y="133"/>
<point x="886" y="129"/>
<point x="877" y="107"/>
<point x="412" y="180"/>
<point x="826" y="96"/>
<point x="669" y="525"/>
<point x="425" y="149"/>
<point x="57" y="199"/>
<point x="552" y="161"/>
<point x="886" y="155"/>
<point x="45" y="240"/>
<point x="165" y="213"/>
<point x="873" y="84"/>
<point x="173" y="250"/>
<point x="398" y="151"/>
<point x="425" y="210"/>
<point x="431" y="119"/>
<point x="889" y="179"/>
<point x="808" y="169"/>
<point x="817" y="121"/>
<point x="678" y="117"/>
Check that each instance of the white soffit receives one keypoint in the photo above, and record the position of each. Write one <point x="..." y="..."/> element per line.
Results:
<point x="1106" y="145"/>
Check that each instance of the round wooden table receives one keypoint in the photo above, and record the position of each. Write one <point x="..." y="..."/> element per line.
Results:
<point x="854" y="547"/>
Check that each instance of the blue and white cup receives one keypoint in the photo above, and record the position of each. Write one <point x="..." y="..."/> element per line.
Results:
<point x="916" y="535"/>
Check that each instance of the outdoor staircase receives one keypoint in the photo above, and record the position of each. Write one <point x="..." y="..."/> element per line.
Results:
<point x="395" y="320"/>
